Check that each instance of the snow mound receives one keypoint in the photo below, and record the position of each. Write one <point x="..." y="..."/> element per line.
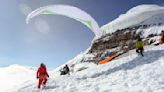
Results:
<point x="13" y="76"/>
<point x="83" y="66"/>
<point x="141" y="8"/>
<point x="133" y="17"/>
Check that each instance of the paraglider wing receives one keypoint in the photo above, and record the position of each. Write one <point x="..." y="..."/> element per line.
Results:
<point x="68" y="11"/>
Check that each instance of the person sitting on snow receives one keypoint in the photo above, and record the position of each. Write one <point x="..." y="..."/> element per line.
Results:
<point x="139" y="46"/>
<point x="42" y="75"/>
<point x="65" y="70"/>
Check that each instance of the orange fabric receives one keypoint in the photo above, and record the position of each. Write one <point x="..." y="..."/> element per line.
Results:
<point x="108" y="59"/>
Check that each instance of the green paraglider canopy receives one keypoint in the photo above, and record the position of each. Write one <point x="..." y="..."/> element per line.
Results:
<point x="71" y="12"/>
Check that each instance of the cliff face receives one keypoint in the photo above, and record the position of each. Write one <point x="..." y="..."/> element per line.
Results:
<point x="120" y="38"/>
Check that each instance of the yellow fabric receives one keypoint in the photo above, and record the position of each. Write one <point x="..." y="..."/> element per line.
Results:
<point x="139" y="44"/>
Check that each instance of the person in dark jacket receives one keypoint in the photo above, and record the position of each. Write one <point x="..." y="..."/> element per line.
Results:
<point x="65" y="70"/>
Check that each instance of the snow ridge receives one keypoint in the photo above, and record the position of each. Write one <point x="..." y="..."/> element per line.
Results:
<point x="133" y="17"/>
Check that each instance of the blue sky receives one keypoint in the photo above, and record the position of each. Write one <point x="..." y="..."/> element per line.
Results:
<point x="52" y="39"/>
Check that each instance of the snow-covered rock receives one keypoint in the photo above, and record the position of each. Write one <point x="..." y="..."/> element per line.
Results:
<point x="133" y="17"/>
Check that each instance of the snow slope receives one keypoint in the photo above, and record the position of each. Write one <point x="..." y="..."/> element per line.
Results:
<point x="14" y="75"/>
<point x="128" y="74"/>
<point x="133" y="17"/>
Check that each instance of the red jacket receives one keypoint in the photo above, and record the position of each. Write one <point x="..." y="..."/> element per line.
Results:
<point x="42" y="72"/>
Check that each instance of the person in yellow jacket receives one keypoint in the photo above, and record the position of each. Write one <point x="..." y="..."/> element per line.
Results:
<point x="139" y="46"/>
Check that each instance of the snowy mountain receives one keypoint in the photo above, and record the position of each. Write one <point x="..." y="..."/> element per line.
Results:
<point x="132" y="73"/>
<point x="128" y="73"/>
<point x="136" y="16"/>
<point x="120" y="34"/>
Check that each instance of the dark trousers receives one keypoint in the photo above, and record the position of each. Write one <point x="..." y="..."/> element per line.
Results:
<point x="140" y="51"/>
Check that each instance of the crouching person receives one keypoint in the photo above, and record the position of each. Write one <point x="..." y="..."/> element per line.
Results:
<point x="65" y="70"/>
<point x="42" y="75"/>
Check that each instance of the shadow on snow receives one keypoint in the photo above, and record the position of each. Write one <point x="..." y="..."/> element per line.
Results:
<point x="149" y="57"/>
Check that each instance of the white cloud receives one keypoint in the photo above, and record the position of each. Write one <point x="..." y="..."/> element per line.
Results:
<point x="42" y="26"/>
<point x="25" y="9"/>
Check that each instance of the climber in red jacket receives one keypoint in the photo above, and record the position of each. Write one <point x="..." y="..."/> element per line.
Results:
<point x="42" y="75"/>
